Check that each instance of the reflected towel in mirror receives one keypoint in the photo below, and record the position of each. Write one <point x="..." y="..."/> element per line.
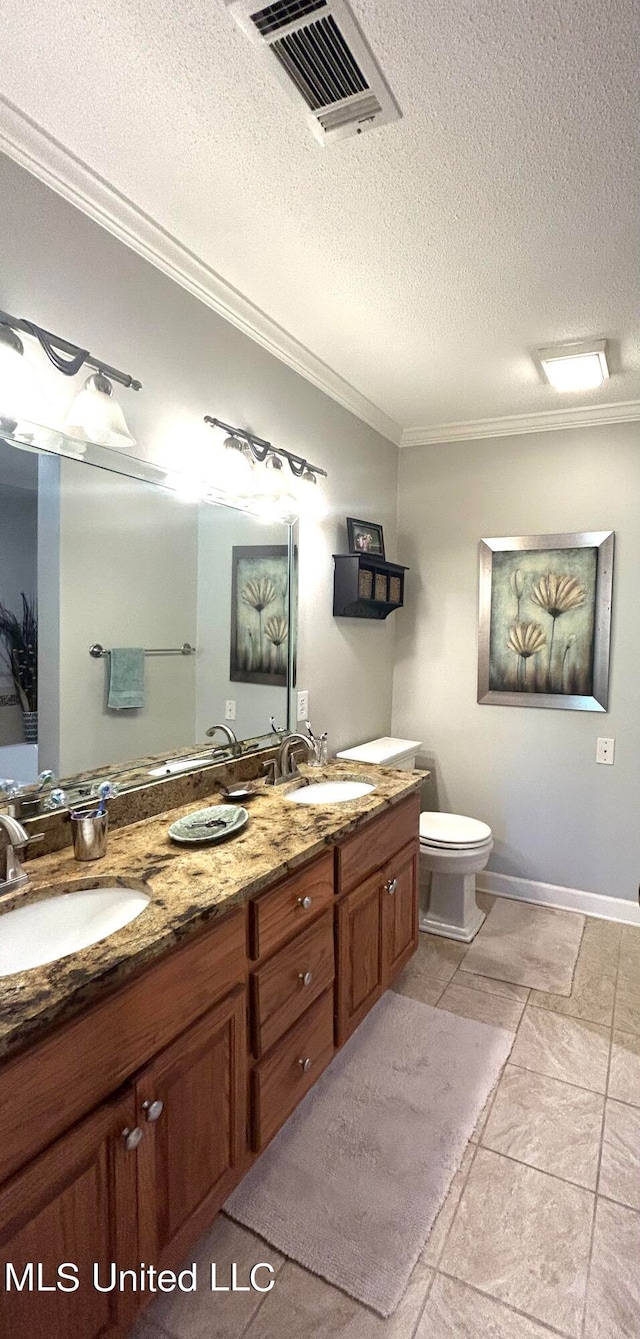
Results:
<point x="126" y="678"/>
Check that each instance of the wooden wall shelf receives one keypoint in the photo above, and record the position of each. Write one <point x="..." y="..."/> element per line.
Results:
<point x="365" y="586"/>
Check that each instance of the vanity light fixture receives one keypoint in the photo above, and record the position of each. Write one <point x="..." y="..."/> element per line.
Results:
<point x="270" y="493"/>
<point x="575" y="367"/>
<point x="21" y="400"/>
<point x="94" y="414"/>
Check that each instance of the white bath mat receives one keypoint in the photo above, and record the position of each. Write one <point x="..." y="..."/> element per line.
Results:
<point x="528" y="945"/>
<point x="352" y="1184"/>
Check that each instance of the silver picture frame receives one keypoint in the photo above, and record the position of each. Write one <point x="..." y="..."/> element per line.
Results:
<point x="533" y="694"/>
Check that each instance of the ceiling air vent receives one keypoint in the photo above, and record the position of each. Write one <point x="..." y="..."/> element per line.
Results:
<point x="323" y="59"/>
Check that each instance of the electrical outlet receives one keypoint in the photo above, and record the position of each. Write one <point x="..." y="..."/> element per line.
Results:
<point x="229" y="710"/>
<point x="303" y="705"/>
<point x="605" y="751"/>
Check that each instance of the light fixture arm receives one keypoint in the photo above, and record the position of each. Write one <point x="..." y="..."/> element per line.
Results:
<point x="260" y="448"/>
<point x="66" y="357"/>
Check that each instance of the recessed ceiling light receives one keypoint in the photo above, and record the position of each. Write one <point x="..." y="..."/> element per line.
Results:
<point x="575" y="367"/>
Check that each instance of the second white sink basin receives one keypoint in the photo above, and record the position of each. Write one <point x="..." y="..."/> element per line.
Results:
<point x="42" y="932"/>
<point x="330" y="792"/>
<point x="177" y="765"/>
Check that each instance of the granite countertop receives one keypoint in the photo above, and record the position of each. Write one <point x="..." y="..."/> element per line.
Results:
<point x="188" y="888"/>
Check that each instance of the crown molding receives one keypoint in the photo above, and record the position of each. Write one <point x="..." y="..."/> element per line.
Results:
<point x="552" y="420"/>
<point x="28" y="144"/>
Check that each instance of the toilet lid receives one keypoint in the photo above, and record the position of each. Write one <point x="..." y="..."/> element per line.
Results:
<point x="453" y="830"/>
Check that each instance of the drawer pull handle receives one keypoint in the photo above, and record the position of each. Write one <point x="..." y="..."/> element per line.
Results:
<point x="132" y="1138"/>
<point x="305" y="978"/>
<point x="153" y="1110"/>
<point x="305" y="903"/>
<point x="391" y="886"/>
<point x="305" y="1064"/>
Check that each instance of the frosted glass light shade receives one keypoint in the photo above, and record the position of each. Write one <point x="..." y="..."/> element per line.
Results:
<point x="234" y="471"/>
<point x="97" y="416"/>
<point x="21" y="400"/>
<point x="310" y="497"/>
<point x="273" y="498"/>
<point x="575" y="367"/>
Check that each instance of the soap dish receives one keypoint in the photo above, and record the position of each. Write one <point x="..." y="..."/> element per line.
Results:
<point x="207" y="826"/>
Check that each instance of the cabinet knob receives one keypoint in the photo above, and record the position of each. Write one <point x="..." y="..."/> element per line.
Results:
<point x="132" y="1138"/>
<point x="391" y="886"/>
<point x="305" y="903"/>
<point x="305" y="978"/>
<point x="153" y="1110"/>
<point x="305" y="1064"/>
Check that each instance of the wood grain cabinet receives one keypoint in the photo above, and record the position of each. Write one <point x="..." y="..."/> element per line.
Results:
<point x="191" y="1106"/>
<point x="399" y="920"/>
<point x="360" y="979"/>
<point x="76" y="1203"/>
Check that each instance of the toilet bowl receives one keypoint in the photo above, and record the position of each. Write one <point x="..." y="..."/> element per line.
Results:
<point x="453" y="849"/>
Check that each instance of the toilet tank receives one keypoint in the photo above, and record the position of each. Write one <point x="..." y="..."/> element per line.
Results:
<point x="386" y="752"/>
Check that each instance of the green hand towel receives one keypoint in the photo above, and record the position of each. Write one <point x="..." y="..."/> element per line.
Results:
<point x="126" y="678"/>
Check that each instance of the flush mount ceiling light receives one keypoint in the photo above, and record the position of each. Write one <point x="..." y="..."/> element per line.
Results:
<point x="94" y="414"/>
<point x="272" y="494"/>
<point x="575" y="367"/>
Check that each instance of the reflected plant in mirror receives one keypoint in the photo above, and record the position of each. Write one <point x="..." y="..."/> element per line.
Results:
<point x="109" y="558"/>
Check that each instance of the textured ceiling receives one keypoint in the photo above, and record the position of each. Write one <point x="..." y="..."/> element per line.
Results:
<point x="421" y="261"/>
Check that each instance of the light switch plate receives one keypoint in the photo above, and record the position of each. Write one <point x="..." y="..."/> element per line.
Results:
<point x="605" y="751"/>
<point x="303" y="705"/>
<point x="229" y="710"/>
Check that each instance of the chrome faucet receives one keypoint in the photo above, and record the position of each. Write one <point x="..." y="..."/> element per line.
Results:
<point x="226" y="730"/>
<point x="17" y="839"/>
<point x="283" y="767"/>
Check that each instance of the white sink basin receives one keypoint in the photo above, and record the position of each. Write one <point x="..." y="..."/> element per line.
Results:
<point x="330" y="792"/>
<point x="177" y="765"/>
<point x="44" y="931"/>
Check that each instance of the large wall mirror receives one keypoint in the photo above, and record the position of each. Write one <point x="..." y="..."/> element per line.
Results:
<point x="104" y="559"/>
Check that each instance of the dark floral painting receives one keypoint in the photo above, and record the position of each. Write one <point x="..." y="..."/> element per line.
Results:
<point x="544" y="634"/>
<point x="260" y="614"/>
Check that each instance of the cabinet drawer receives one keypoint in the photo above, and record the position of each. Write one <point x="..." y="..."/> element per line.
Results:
<point x="281" y="1081"/>
<point x="287" y="984"/>
<point x="374" y="844"/>
<point x="277" y="915"/>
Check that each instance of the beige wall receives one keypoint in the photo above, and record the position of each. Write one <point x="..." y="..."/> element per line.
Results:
<point x="531" y="773"/>
<point x="65" y="272"/>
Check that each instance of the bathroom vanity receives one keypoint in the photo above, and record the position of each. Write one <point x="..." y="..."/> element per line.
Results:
<point x="141" y="1077"/>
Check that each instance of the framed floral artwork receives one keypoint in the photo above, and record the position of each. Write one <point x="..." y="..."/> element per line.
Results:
<point x="260" y="614"/>
<point x="545" y="620"/>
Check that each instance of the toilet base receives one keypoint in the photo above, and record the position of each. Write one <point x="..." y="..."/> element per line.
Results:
<point x="452" y="908"/>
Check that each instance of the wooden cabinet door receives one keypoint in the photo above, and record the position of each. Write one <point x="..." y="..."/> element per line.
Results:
<point x="399" y="911"/>
<point x="75" y="1204"/>
<point x="196" y="1120"/>
<point x="359" y="955"/>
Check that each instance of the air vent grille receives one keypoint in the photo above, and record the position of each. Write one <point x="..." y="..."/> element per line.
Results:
<point x="363" y="109"/>
<point x="320" y="63"/>
<point x="273" y="17"/>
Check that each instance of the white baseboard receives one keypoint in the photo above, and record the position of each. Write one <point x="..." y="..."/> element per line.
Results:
<point x="564" y="899"/>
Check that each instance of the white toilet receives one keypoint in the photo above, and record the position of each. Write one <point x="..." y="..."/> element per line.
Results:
<point x="453" y="850"/>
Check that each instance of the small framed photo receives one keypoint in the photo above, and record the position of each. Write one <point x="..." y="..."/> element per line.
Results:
<point x="365" y="537"/>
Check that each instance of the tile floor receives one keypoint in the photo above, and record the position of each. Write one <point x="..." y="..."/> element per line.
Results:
<point x="540" y="1233"/>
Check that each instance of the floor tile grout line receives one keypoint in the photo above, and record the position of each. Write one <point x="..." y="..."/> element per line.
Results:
<point x="543" y="1075"/>
<point x="424" y="1304"/>
<point x="455" y="1212"/>
<point x="564" y="1180"/>
<point x="285" y="1261"/>
<point x="525" y="1315"/>
<point x="602" y="1128"/>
